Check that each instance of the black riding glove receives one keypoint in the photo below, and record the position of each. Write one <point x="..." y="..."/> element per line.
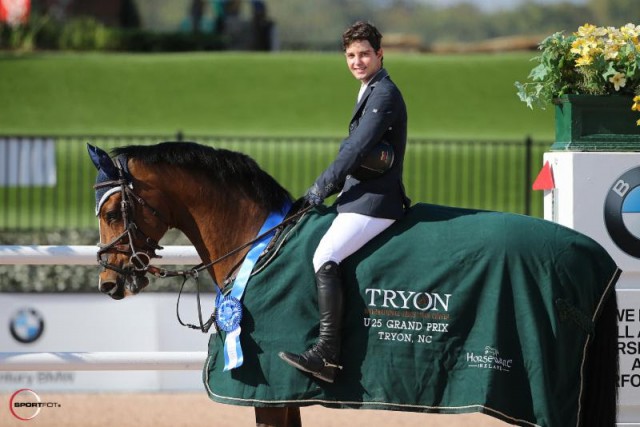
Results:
<point x="314" y="196"/>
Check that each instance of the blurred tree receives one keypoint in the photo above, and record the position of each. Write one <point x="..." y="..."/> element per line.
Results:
<point x="600" y="9"/>
<point x="129" y="15"/>
<point x="615" y="12"/>
<point x="624" y="11"/>
<point x="318" y="24"/>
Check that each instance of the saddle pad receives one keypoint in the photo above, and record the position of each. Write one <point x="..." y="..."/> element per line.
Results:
<point x="449" y="310"/>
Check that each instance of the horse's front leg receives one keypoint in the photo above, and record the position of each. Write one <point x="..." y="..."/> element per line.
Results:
<point x="278" y="417"/>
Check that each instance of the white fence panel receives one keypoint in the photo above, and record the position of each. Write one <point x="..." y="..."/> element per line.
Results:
<point x="85" y="255"/>
<point x="102" y="361"/>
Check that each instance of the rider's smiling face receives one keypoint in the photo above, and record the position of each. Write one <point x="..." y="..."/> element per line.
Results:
<point x="363" y="61"/>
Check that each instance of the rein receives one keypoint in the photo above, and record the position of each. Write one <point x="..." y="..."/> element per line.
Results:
<point x="195" y="273"/>
<point x="140" y="259"/>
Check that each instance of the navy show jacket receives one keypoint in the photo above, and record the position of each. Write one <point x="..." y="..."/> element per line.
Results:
<point x="380" y="115"/>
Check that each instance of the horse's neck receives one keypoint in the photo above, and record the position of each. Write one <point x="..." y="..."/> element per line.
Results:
<point x="216" y="221"/>
<point x="216" y="232"/>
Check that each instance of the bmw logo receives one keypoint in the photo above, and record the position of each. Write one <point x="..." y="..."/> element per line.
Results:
<point x="26" y="325"/>
<point x="622" y="212"/>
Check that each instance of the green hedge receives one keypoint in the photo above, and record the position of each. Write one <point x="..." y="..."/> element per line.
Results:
<point x="88" y="34"/>
<point x="68" y="278"/>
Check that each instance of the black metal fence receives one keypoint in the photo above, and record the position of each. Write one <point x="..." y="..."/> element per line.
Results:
<point x="55" y="190"/>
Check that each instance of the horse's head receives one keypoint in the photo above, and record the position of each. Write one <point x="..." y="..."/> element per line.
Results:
<point x="128" y="237"/>
<point x="211" y="195"/>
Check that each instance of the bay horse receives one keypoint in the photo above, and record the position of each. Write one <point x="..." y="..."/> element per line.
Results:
<point x="220" y="200"/>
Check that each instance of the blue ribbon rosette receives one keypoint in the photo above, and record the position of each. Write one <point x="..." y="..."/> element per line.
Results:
<point x="228" y="308"/>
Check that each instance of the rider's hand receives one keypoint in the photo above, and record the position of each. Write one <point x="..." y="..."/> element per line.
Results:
<point x="313" y="197"/>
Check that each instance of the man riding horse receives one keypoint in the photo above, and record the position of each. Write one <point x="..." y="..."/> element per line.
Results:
<point x="367" y="205"/>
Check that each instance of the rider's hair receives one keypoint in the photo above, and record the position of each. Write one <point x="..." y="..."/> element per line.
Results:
<point x="362" y="31"/>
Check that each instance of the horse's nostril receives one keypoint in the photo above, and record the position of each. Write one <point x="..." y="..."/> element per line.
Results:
<point x="115" y="289"/>
<point x="108" y="287"/>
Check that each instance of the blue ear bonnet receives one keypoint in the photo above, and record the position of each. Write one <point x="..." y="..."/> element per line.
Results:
<point x="108" y="170"/>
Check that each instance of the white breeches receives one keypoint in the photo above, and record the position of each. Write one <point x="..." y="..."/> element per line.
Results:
<point x="348" y="233"/>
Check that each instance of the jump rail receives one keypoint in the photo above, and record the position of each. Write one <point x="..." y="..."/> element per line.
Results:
<point x="94" y="361"/>
<point x="103" y="361"/>
<point x="85" y="255"/>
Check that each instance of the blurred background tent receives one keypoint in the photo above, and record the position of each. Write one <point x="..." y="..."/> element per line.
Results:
<point x="419" y="25"/>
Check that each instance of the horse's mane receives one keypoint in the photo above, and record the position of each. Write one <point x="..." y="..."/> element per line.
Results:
<point x="230" y="168"/>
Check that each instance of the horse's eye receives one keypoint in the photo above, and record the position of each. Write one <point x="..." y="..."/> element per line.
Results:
<point x="112" y="216"/>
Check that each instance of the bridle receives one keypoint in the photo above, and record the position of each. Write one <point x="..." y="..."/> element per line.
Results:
<point x="140" y="258"/>
<point x="125" y="242"/>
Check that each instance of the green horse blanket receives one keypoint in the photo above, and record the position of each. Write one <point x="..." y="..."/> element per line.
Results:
<point x="449" y="310"/>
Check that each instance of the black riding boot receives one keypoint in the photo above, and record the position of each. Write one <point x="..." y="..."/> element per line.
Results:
<point x="322" y="359"/>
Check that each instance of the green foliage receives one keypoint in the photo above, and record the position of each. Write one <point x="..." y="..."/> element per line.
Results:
<point x="28" y="278"/>
<point x="24" y="38"/>
<point x="552" y="77"/>
<point x="86" y="34"/>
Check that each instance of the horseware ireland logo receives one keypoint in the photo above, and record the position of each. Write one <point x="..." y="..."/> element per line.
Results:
<point x="622" y="212"/>
<point x="490" y="359"/>
<point x="26" y="326"/>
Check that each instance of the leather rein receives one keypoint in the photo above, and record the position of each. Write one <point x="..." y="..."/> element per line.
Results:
<point x="140" y="258"/>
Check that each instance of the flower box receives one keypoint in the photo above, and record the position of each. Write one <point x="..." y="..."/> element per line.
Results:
<point x="593" y="79"/>
<point x="596" y="123"/>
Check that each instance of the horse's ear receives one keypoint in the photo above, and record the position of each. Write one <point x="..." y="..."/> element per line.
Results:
<point x="102" y="161"/>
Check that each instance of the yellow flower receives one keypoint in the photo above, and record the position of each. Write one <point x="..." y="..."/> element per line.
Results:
<point x="618" y="80"/>
<point x="583" y="61"/>
<point x="615" y="35"/>
<point x="610" y="52"/>
<point x="630" y="31"/>
<point x="587" y="46"/>
<point x="638" y="123"/>
<point x="586" y="30"/>
<point x="578" y="46"/>
<point x="636" y="103"/>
